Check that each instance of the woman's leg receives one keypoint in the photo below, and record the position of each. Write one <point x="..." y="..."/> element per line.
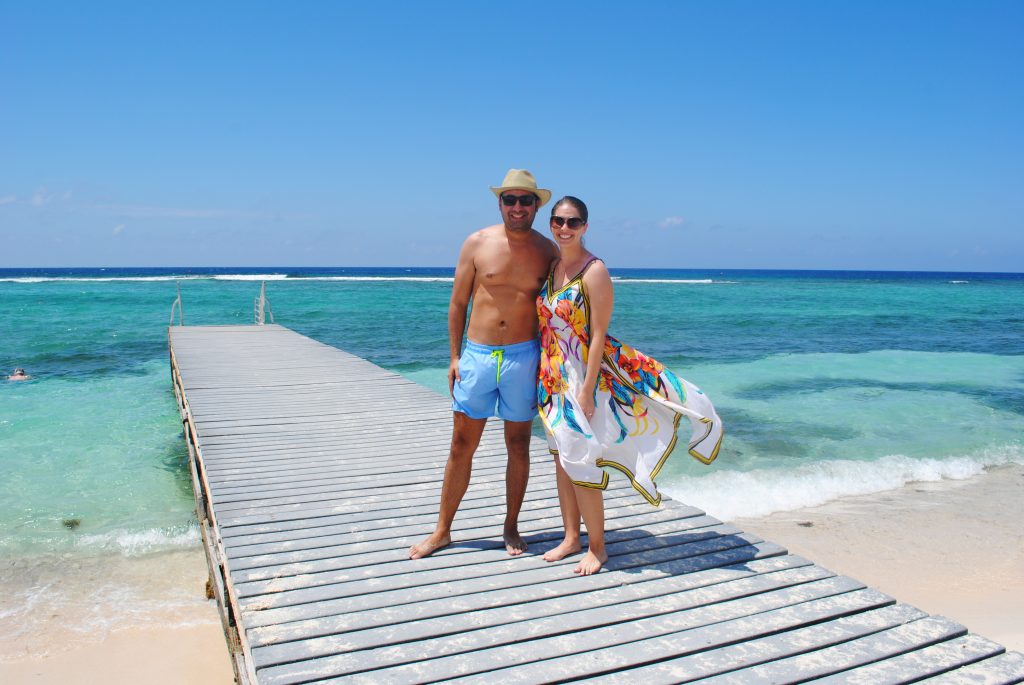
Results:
<point x="591" y="505"/>
<point x="570" y="516"/>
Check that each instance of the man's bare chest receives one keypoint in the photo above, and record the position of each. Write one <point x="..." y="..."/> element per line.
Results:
<point x="518" y="272"/>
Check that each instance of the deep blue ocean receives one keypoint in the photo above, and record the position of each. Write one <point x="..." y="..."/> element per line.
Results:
<point x="829" y="383"/>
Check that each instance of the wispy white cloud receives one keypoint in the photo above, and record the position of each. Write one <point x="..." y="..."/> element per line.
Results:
<point x="140" y="211"/>
<point x="118" y="229"/>
<point x="8" y="199"/>
<point x="41" y="197"/>
<point x="646" y="225"/>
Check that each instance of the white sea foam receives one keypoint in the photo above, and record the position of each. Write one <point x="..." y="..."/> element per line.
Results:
<point x="959" y="281"/>
<point x="99" y="279"/>
<point x="226" y="277"/>
<point x="285" y="277"/>
<point x="682" y="281"/>
<point x="414" y="279"/>
<point x="729" y="494"/>
<point x="134" y="543"/>
<point x="248" y="277"/>
<point x="94" y="594"/>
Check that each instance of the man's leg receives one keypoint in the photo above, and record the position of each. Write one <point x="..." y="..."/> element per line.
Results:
<point x="466" y="434"/>
<point x="517" y="475"/>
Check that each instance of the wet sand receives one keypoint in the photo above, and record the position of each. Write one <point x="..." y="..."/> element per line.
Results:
<point x="196" y="655"/>
<point x="115" y="620"/>
<point x="953" y="548"/>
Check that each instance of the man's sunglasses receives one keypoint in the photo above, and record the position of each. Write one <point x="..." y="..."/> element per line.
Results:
<point x="559" y="221"/>
<point x="524" y="200"/>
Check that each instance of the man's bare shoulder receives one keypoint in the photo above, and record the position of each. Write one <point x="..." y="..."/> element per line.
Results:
<point x="484" y="235"/>
<point x="544" y="240"/>
<point x="545" y="244"/>
<point x="489" y="232"/>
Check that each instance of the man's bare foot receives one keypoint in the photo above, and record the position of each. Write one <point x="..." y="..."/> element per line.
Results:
<point x="590" y="563"/>
<point x="514" y="542"/>
<point x="564" y="549"/>
<point x="427" y="547"/>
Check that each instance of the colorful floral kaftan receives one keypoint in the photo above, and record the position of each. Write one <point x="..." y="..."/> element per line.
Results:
<point x="638" y="404"/>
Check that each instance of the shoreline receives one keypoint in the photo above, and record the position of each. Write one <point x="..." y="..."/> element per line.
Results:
<point x="954" y="548"/>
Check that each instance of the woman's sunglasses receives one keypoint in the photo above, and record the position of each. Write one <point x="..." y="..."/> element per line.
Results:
<point x="559" y="221"/>
<point x="524" y="200"/>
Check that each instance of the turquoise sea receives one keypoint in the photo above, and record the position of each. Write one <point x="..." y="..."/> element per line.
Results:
<point x="829" y="384"/>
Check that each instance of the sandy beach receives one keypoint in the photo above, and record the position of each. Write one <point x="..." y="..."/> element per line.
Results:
<point x="951" y="547"/>
<point x="170" y="634"/>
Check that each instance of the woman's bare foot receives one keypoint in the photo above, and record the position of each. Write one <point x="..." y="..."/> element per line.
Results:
<point x="514" y="542"/>
<point x="590" y="563"/>
<point x="427" y="547"/>
<point x="564" y="549"/>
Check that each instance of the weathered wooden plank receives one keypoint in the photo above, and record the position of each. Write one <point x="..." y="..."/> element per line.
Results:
<point x="869" y="649"/>
<point x="426" y="505"/>
<point x="630" y="552"/>
<point x="419" y="520"/>
<point x="385" y="644"/>
<point x="919" y="663"/>
<point x="397" y="564"/>
<point x="373" y="504"/>
<point x="613" y="647"/>
<point x="473" y="533"/>
<point x="699" y="665"/>
<point x="376" y="551"/>
<point x="1004" y="669"/>
<point x="271" y="609"/>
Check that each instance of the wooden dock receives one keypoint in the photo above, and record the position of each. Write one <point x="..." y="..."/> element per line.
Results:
<point x="314" y="470"/>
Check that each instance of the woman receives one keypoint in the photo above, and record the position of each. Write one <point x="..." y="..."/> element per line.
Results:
<point x="618" y="409"/>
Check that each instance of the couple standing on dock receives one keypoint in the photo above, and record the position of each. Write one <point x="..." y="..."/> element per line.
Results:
<point x="619" y="408"/>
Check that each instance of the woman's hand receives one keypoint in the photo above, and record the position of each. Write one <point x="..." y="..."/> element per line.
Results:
<point x="586" y="404"/>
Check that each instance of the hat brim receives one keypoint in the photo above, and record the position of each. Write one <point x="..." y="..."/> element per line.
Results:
<point x="543" y="194"/>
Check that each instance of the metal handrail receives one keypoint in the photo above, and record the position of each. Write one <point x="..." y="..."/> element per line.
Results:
<point x="261" y="306"/>
<point x="177" y="303"/>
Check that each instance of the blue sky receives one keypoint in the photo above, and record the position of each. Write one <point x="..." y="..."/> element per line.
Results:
<point x="830" y="135"/>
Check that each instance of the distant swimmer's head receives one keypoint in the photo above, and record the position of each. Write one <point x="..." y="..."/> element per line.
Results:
<point x="19" y="375"/>
<point x="19" y="371"/>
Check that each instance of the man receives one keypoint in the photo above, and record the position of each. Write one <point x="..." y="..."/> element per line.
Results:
<point x="501" y="269"/>
<point x="19" y="375"/>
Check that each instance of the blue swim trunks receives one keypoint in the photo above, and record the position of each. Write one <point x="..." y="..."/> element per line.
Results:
<point x="498" y="381"/>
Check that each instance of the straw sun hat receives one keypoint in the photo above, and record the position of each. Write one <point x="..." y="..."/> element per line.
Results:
<point x="521" y="179"/>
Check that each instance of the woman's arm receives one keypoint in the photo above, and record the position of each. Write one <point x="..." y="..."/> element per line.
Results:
<point x="598" y="284"/>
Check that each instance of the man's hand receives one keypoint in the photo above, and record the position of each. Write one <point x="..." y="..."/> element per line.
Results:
<point x="453" y="375"/>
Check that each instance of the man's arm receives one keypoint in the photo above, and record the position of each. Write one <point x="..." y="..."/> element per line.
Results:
<point x="462" y="291"/>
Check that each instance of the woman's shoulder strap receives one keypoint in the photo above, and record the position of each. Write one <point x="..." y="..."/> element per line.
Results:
<point x="588" y="264"/>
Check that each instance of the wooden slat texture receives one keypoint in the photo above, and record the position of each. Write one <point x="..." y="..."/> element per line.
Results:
<point x="315" y="470"/>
